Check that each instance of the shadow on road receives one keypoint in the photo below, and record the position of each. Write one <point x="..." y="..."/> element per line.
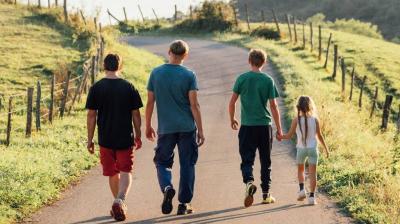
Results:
<point x="201" y="218"/>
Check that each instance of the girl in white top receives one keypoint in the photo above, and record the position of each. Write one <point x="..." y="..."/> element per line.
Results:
<point x="307" y="129"/>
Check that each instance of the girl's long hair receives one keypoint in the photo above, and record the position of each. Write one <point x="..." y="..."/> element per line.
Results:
<point x="305" y="107"/>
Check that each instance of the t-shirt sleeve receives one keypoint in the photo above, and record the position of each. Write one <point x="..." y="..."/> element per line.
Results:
<point x="273" y="91"/>
<point x="236" y="87"/>
<point x="135" y="99"/>
<point x="91" y="103"/>
<point x="193" y="83"/>
<point x="150" y="83"/>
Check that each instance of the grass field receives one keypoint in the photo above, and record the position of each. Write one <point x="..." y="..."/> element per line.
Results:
<point x="34" y="171"/>
<point x="363" y="172"/>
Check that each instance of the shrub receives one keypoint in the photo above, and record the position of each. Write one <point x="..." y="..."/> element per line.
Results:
<point x="136" y="27"/>
<point x="210" y="16"/>
<point x="266" y="33"/>
<point x="317" y="19"/>
<point x="357" y="27"/>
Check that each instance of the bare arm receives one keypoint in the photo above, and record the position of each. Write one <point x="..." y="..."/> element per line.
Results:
<point x="321" y="138"/>
<point x="276" y="115"/>
<point x="91" y="126"/>
<point x="150" y="133"/>
<point x="195" y="107"/>
<point x="137" y="123"/>
<point x="232" y="111"/>
<point x="292" y="130"/>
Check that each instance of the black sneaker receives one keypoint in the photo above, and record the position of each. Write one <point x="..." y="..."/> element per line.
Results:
<point x="166" y="206"/>
<point x="250" y="191"/>
<point x="184" y="209"/>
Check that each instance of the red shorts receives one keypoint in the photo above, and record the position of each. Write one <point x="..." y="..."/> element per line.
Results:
<point x="115" y="161"/>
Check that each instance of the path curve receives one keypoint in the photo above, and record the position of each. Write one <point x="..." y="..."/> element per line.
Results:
<point x="218" y="191"/>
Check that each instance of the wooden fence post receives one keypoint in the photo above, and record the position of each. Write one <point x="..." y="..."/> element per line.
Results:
<point x="176" y="13"/>
<point x="398" y="121"/>
<point x="83" y="17"/>
<point x="335" y="61"/>
<point x="51" y="106"/>
<point x="126" y="17"/>
<point x="343" y="67"/>
<point x="100" y="28"/>
<point x="352" y="83"/>
<point x="295" y="29"/>
<point x="56" y="3"/>
<point x="263" y="17"/>
<point x="290" y="29"/>
<point x="276" y="21"/>
<point x="319" y="42"/>
<point x="39" y="4"/>
<point x="95" y="23"/>
<point x="304" y="36"/>
<point x="386" y="111"/>
<point x="374" y="102"/>
<point x="311" y="37"/>
<point x="327" y="51"/>
<point x="48" y="3"/>
<point x="362" y="91"/>
<point x="77" y="91"/>
<point x="111" y="15"/>
<point x="65" y="12"/>
<point x="65" y="95"/>
<point x="141" y="13"/>
<point x="93" y="70"/>
<point x="28" y="130"/>
<point x="235" y="15"/>
<point x="38" y="102"/>
<point x="9" y="119"/>
<point x="98" y="61"/>
<point x="83" y="84"/>
<point x="191" y="11"/>
<point x="247" y="17"/>
<point x="155" y="15"/>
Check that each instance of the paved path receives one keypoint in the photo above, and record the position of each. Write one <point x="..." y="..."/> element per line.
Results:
<point x="219" y="191"/>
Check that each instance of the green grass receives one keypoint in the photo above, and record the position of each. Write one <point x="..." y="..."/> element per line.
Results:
<point x="363" y="172"/>
<point x="34" y="171"/>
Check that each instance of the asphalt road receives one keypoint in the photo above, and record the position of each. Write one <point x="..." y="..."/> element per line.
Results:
<point x="219" y="190"/>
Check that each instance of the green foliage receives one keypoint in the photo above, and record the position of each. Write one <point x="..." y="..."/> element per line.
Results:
<point x="266" y="33"/>
<point x="134" y="27"/>
<point x="209" y="17"/>
<point x="356" y="27"/>
<point x="317" y="19"/>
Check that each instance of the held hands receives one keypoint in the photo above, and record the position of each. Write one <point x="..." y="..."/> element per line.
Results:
<point x="90" y="147"/>
<point x="279" y="135"/>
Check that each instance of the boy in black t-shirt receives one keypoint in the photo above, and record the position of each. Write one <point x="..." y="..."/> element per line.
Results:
<point x="114" y="103"/>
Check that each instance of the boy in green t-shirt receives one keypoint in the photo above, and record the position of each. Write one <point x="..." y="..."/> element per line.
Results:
<point x="255" y="89"/>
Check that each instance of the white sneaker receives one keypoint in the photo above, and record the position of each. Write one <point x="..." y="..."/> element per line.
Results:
<point x="312" y="201"/>
<point x="301" y="195"/>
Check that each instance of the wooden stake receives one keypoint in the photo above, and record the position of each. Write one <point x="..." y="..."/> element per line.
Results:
<point x="352" y="83"/>
<point x="304" y="36"/>
<point x="361" y="92"/>
<point x="374" y="102"/>
<point x="109" y="13"/>
<point x="28" y="130"/>
<point x="190" y="11"/>
<point x="295" y="29"/>
<point x="126" y="17"/>
<point x="83" y="17"/>
<point x="51" y="106"/>
<point x="65" y="95"/>
<point x="39" y="4"/>
<point x="247" y="17"/>
<point x="398" y="121"/>
<point x="65" y="12"/>
<point x="276" y="21"/>
<point x="155" y="15"/>
<point x="343" y="67"/>
<point x="263" y="17"/>
<point x="311" y="37"/>
<point x="290" y="29"/>
<point x="319" y="42"/>
<point x="335" y="61"/>
<point x="176" y="13"/>
<point x="38" y="102"/>
<point x="93" y="70"/>
<point x="48" y="3"/>
<point x="327" y="51"/>
<point x="95" y="23"/>
<point x="56" y="3"/>
<point x="9" y="120"/>
<point x="77" y="91"/>
<point x="141" y="13"/>
<point x="386" y="111"/>
<point x="235" y="15"/>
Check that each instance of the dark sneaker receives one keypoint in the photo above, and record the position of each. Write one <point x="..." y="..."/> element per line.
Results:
<point x="250" y="191"/>
<point x="118" y="211"/>
<point x="184" y="209"/>
<point x="166" y="206"/>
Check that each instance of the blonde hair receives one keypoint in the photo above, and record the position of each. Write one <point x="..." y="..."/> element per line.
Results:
<point x="257" y="57"/>
<point x="179" y="48"/>
<point x="305" y="107"/>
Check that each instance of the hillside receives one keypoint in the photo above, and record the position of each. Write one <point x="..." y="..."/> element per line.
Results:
<point x="384" y="13"/>
<point x="34" y="45"/>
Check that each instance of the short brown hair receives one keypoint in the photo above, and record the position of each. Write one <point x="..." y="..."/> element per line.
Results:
<point x="257" y="57"/>
<point x="112" y="62"/>
<point x="179" y="48"/>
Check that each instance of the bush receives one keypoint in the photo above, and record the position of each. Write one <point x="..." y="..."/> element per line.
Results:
<point x="136" y="27"/>
<point x="266" y="33"/>
<point x="357" y="27"/>
<point x="210" y="16"/>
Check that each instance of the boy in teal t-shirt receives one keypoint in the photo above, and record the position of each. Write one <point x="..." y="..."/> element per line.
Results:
<point x="255" y="90"/>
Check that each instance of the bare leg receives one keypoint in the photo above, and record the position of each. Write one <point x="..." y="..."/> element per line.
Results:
<point x="300" y="173"/>
<point x="124" y="185"/>
<point x="312" y="169"/>
<point x="114" y="184"/>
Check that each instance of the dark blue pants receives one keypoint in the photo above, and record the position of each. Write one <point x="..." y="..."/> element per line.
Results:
<point x="252" y="138"/>
<point x="164" y="159"/>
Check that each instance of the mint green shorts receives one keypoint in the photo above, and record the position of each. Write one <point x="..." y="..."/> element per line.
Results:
<point x="307" y="153"/>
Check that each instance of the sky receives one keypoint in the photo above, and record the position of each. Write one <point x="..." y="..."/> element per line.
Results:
<point x="164" y="8"/>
